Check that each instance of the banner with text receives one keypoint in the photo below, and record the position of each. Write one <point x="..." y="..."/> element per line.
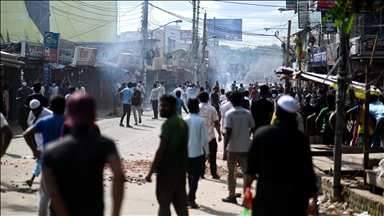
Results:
<point x="51" y="44"/>
<point x="47" y="74"/>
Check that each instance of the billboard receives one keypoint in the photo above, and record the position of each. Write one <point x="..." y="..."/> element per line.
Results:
<point x="35" y="50"/>
<point x="66" y="51"/>
<point x="227" y="29"/>
<point x="185" y="35"/>
<point x="290" y="5"/>
<point x="51" y="44"/>
<point x="84" y="56"/>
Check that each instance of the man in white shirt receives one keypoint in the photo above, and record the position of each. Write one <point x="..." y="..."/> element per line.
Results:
<point x="225" y="107"/>
<point x="37" y="112"/>
<point x="155" y="101"/>
<point x="53" y="91"/>
<point x="161" y="90"/>
<point x="239" y="126"/>
<point x="223" y="96"/>
<point x="197" y="146"/>
<point x="209" y="114"/>
<point x="141" y="89"/>
<point x="6" y="130"/>
<point x="72" y="90"/>
<point x="80" y="88"/>
<point x="178" y="89"/>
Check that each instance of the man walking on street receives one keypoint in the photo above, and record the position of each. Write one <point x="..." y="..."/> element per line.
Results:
<point x="50" y="128"/>
<point x="197" y="145"/>
<point x="141" y="89"/>
<point x="239" y="126"/>
<point x="262" y="109"/>
<point x="127" y="99"/>
<point x="136" y="105"/>
<point x="282" y="140"/>
<point x="22" y="95"/>
<point x="211" y="119"/>
<point x="37" y="112"/>
<point x="83" y="155"/>
<point x="180" y="103"/>
<point x="225" y="107"/>
<point x="155" y="101"/>
<point x="171" y="160"/>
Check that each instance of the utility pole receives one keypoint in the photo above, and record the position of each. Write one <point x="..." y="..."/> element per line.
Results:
<point x="214" y="41"/>
<point x="340" y="99"/>
<point x="204" y="38"/>
<point x="144" y="29"/>
<point x="287" y="85"/>
<point x="196" y="50"/>
<point x="193" y="39"/>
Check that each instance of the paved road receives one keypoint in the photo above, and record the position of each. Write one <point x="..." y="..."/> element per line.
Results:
<point x="137" y="146"/>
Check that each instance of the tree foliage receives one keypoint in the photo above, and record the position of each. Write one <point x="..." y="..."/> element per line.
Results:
<point x="344" y="16"/>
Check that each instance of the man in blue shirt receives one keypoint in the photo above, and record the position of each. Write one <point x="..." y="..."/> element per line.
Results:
<point x="50" y="128"/>
<point x="180" y="103"/>
<point x="127" y="101"/>
<point x="376" y="108"/>
<point x="241" y="89"/>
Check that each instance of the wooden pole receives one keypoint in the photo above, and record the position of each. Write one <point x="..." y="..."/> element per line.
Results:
<point x="287" y="85"/>
<point x="366" y="114"/>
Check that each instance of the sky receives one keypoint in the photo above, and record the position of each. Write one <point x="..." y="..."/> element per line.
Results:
<point x="255" y="15"/>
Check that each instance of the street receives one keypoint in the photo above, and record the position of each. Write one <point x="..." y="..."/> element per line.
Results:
<point x="136" y="147"/>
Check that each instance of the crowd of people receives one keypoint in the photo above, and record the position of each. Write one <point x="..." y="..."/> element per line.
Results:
<point x="261" y="127"/>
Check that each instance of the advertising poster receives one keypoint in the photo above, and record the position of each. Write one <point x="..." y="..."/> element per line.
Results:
<point x="319" y="57"/>
<point x="51" y="45"/>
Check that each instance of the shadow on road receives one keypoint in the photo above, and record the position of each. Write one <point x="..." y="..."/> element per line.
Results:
<point x="13" y="155"/>
<point x="21" y="208"/>
<point x="25" y="189"/>
<point x="214" y="212"/>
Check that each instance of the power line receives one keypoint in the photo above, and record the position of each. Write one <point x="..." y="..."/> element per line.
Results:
<point x="101" y="8"/>
<point x="252" y="4"/>
<point x="100" y="14"/>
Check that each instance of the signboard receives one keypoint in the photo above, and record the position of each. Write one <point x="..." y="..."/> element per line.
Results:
<point x="364" y="46"/>
<point x="185" y="35"/>
<point x="123" y="60"/>
<point x="66" y="51"/>
<point x="47" y="74"/>
<point x="35" y="50"/>
<point x="303" y="15"/>
<point x="171" y="45"/>
<point x="319" y="57"/>
<point x="85" y="56"/>
<point x="329" y="26"/>
<point x="158" y="63"/>
<point x="175" y="60"/>
<point x="290" y="5"/>
<point x="51" y="44"/>
<point x="324" y="5"/>
<point x="227" y="29"/>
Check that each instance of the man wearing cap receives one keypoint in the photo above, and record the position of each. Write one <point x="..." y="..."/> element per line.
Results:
<point x="73" y="166"/>
<point x="284" y="141"/>
<point x="50" y="128"/>
<point x="80" y="88"/>
<point x="22" y="95"/>
<point x="37" y="112"/>
<point x="239" y="126"/>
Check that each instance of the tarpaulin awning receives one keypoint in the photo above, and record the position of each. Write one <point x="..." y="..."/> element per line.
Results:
<point x="357" y="87"/>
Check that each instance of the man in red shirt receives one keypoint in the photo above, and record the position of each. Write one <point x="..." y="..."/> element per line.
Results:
<point x="254" y="93"/>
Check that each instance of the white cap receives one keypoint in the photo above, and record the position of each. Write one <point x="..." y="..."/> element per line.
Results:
<point x="288" y="104"/>
<point x="34" y="104"/>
